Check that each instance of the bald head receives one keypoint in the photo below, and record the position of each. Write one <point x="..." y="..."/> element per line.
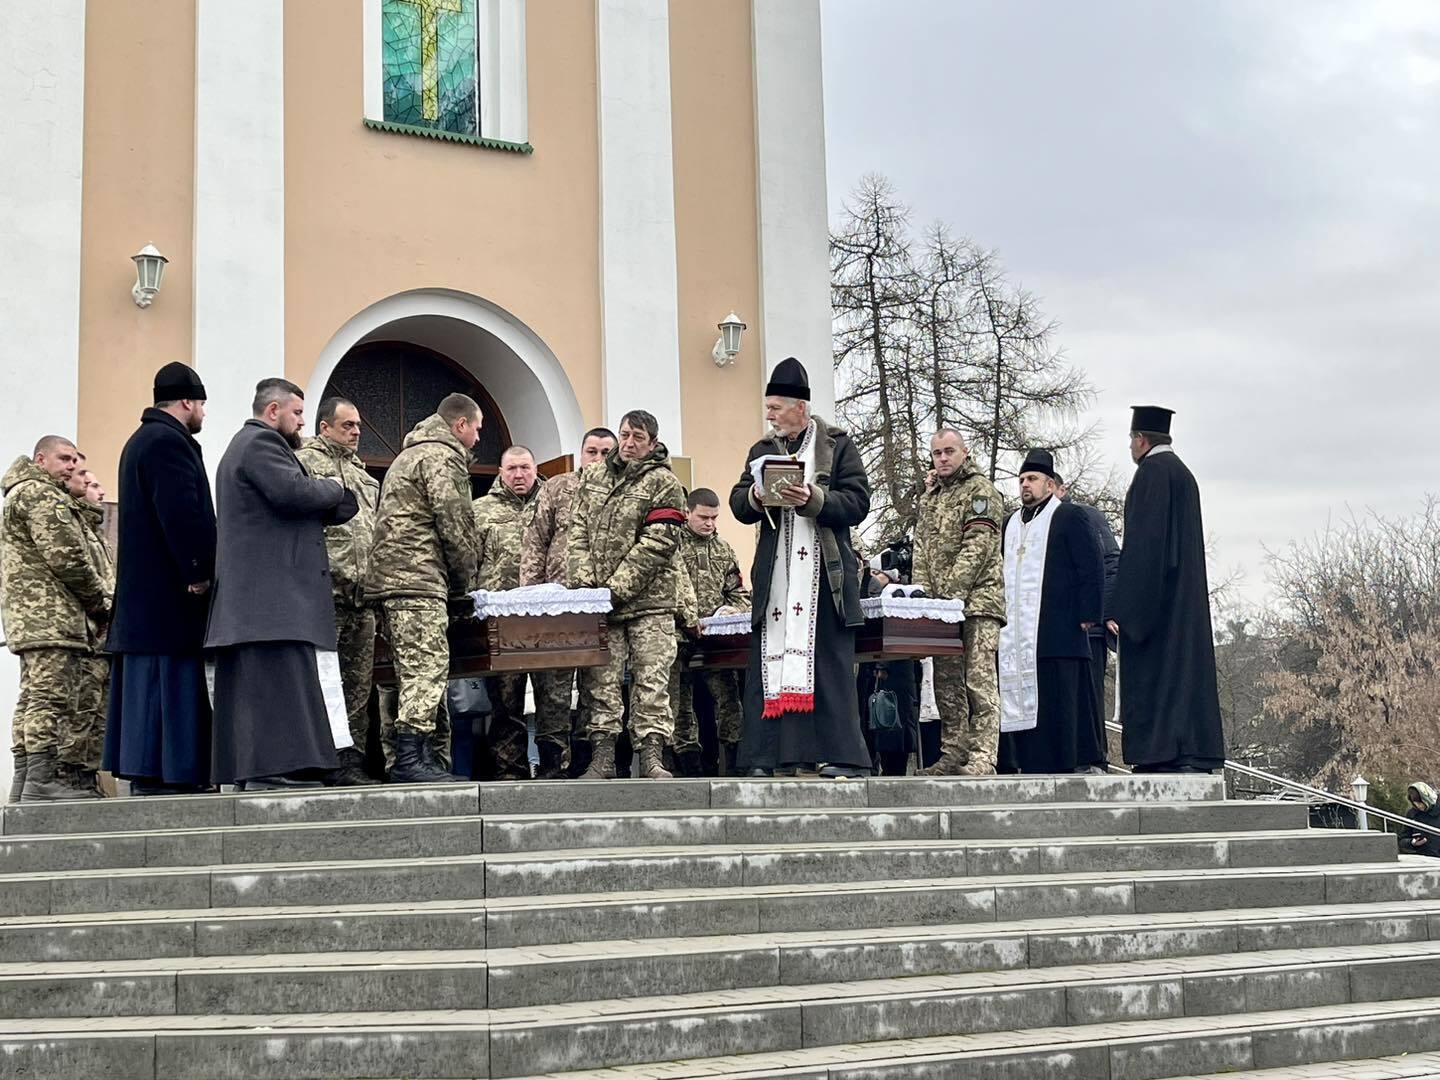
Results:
<point x="947" y="451"/>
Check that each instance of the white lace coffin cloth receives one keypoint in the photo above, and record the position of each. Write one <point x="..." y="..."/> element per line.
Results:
<point x="913" y="607"/>
<point x="549" y="599"/>
<point x="725" y="625"/>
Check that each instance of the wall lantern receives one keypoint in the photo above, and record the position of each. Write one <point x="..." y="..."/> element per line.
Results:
<point x="149" y="269"/>
<point x="727" y="345"/>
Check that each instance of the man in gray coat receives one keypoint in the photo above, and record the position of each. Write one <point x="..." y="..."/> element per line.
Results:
<point x="279" y="706"/>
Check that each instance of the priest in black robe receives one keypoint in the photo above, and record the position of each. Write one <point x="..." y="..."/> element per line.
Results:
<point x="1169" y="704"/>
<point x="279" y="706"/>
<point x="1054" y="583"/>
<point x="800" y="702"/>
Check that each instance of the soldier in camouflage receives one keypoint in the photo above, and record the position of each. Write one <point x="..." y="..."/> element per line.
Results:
<point x="50" y="593"/>
<point x="333" y="452"/>
<point x="623" y="536"/>
<point x="425" y="551"/>
<point x="502" y="515"/>
<point x="957" y="557"/>
<point x="82" y="757"/>
<point x="543" y="558"/>
<point x="714" y="575"/>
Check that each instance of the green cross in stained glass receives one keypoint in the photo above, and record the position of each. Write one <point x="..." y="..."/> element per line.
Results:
<point x="430" y="52"/>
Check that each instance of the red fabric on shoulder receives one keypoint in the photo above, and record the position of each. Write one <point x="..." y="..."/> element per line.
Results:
<point x="665" y="515"/>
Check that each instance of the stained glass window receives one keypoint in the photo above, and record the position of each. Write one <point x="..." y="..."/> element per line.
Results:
<point x="431" y="64"/>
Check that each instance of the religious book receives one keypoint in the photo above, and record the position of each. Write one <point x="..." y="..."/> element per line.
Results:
<point x="776" y="474"/>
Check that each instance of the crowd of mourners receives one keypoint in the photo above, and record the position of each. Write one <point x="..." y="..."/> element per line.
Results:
<point x="230" y="638"/>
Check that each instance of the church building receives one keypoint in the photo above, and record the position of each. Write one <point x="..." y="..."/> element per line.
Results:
<point x="551" y="205"/>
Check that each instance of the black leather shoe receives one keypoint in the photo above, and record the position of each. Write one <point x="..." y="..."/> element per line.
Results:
<point x="844" y="772"/>
<point x="758" y="772"/>
<point x="279" y="782"/>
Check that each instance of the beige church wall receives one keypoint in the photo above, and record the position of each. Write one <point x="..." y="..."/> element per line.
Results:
<point x="713" y="120"/>
<point x="369" y="214"/>
<point x="137" y="186"/>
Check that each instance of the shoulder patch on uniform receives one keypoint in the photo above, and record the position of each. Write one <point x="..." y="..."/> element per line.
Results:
<point x="979" y="504"/>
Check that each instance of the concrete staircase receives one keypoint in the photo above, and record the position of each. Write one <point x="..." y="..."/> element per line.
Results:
<point x="1118" y="927"/>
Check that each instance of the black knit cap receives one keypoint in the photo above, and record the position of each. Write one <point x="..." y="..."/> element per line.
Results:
<point x="1154" y="418"/>
<point x="1041" y="461"/>
<point x="789" y="380"/>
<point x="178" y="382"/>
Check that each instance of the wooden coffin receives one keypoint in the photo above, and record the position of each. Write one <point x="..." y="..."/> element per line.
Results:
<point x="504" y="643"/>
<point x="881" y="638"/>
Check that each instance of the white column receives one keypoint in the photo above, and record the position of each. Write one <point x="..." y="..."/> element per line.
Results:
<point x="42" y="132"/>
<point x="790" y="174"/>
<point x="239" y="257"/>
<point x="640" y="334"/>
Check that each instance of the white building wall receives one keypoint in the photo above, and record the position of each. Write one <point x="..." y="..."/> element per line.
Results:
<point x="640" y="333"/>
<point x="42" y="127"/>
<point x="239" y="256"/>
<point x="791" y="196"/>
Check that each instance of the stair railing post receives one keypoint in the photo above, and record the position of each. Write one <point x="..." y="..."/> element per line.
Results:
<point x="1359" y="789"/>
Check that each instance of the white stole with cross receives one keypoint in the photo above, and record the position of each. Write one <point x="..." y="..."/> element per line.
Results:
<point x="787" y="642"/>
<point x="1025" y="546"/>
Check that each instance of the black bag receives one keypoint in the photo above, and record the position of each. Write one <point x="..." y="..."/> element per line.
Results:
<point x="884" y="711"/>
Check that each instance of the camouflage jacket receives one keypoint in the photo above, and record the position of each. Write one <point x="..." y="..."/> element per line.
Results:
<point x="624" y="532"/>
<point x="957" y="542"/>
<point x="547" y="537"/>
<point x="347" y="545"/>
<point x="687" y="612"/>
<point x="50" y="585"/>
<point x="92" y="518"/>
<point x="425" y="543"/>
<point x="501" y="519"/>
<point x="714" y="572"/>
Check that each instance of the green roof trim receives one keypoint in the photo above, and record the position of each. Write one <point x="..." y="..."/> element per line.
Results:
<point x="449" y="136"/>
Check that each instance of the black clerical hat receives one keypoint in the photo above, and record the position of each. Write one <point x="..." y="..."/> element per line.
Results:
<point x="1041" y="461"/>
<point x="1154" y="418"/>
<point x="789" y="380"/>
<point x="178" y="382"/>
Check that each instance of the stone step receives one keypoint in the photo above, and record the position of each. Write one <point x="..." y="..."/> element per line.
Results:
<point x="690" y="868"/>
<point x="1189" y="976"/>
<point x="403" y="924"/>
<point x="994" y="1034"/>
<point x="470" y="834"/>
<point x="382" y="802"/>
<point x="1423" y="1066"/>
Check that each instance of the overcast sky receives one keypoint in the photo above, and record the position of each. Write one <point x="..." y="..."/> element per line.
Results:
<point x="1232" y="208"/>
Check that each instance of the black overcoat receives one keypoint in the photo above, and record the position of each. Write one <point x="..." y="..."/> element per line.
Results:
<point x="841" y="505"/>
<point x="272" y="574"/>
<point x="166" y="541"/>
<point x="1169" y="704"/>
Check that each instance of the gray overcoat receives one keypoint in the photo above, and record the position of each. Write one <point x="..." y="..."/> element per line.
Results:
<point x="272" y="576"/>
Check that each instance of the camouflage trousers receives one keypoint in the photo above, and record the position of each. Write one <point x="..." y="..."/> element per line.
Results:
<point x="967" y="693"/>
<point x="555" y="721"/>
<point x="47" y="708"/>
<point x="724" y="696"/>
<point x="92" y="703"/>
<point x="388" y="700"/>
<point x="647" y="645"/>
<point x="415" y="629"/>
<point x="509" y="739"/>
<point x="355" y="635"/>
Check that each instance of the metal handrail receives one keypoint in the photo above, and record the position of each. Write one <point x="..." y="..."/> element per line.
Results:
<point x="1326" y="796"/>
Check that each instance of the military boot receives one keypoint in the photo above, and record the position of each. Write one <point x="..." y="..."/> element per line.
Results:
<point x="602" y="757"/>
<point x="351" y="772"/>
<point x="17" y="783"/>
<point x="949" y="764"/>
<point x="652" y="758"/>
<point x="45" y="783"/>
<point x="727" y="759"/>
<point x="690" y="763"/>
<point x="977" y="766"/>
<point x="414" y="764"/>
<point x="552" y="758"/>
<point x="85" y="779"/>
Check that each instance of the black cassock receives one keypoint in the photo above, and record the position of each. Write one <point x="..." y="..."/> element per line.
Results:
<point x="1066" y="735"/>
<point x="1169" y="705"/>
<point x="830" y="734"/>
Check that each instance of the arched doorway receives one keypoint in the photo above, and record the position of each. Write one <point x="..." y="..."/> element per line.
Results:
<point x="522" y="378"/>
<point x="395" y="385"/>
